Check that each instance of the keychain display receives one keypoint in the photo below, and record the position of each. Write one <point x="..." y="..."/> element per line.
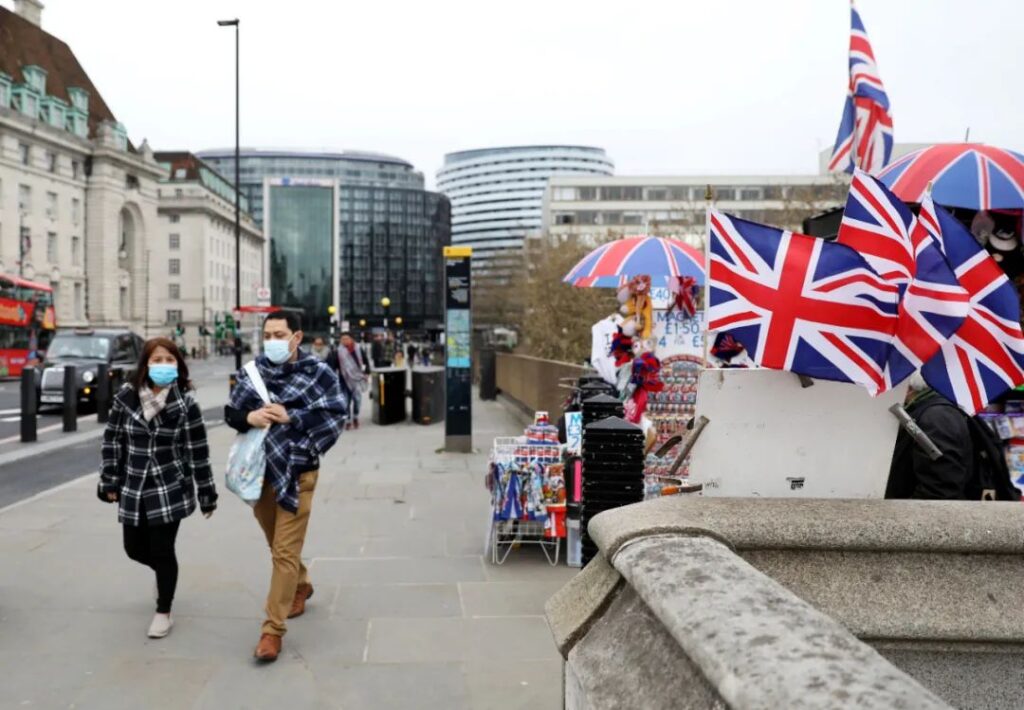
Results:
<point x="670" y="410"/>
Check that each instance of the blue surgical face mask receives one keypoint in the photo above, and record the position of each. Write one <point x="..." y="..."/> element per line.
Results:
<point x="163" y="375"/>
<point x="278" y="351"/>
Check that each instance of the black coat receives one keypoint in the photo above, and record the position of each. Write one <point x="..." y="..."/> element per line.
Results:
<point x="913" y="474"/>
<point x="157" y="463"/>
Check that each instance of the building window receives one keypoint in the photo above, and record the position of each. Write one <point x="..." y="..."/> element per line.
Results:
<point x="178" y="192"/>
<point x="76" y="251"/>
<point x="51" y="247"/>
<point x="173" y="317"/>
<point x="25" y="152"/>
<point x="24" y="199"/>
<point x="76" y="169"/>
<point x="51" y="205"/>
<point x="174" y="291"/>
<point x="79" y="302"/>
<point x="76" y="211"/>
<point x="123" y="302"/>
<point x="175" y="218"/>
<point x="175" y="242"/>
<point x="51" y="162"/>
<point x="131" y="182"/>
<point x="750" y="194"/>
<point x="174" y="267"/>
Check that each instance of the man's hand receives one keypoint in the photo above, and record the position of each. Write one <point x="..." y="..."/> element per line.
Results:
<point x="277" y="413"/>
<point x="259" y="418"/>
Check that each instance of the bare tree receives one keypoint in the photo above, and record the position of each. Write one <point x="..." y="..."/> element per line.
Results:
<point x="558" y="317"/>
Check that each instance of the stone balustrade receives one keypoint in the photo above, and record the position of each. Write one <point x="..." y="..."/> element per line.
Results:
<point x="769" y="603"/>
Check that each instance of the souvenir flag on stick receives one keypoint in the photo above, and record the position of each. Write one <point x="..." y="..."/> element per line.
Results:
<point x="799" y="303"/>
<point x="932" y="303"/>
<point x="985" y="357"/>
<point x="865" y="131"/>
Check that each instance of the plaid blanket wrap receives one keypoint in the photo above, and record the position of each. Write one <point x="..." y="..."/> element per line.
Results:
<point x="309" y="390"/>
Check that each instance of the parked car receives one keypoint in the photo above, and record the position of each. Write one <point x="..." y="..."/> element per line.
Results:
<point x="86" y="349"/>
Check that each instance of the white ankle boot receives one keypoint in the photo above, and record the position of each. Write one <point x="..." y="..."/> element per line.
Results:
<point x="161" y="626"/>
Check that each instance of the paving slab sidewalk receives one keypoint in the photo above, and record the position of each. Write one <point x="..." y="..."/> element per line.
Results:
<point x="406" y="613"/>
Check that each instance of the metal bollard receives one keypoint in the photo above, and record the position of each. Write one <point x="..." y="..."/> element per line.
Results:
<point x="104" y="388"/>
<point x="70" y="398"/>
<point x="29" y="405"/>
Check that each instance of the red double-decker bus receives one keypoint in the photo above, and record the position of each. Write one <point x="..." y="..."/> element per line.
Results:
<point x="27" y="322"/>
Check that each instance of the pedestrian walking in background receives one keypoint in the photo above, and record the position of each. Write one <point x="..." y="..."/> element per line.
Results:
<point x="321" y="350"/>
<point x="411" y="351"/>
<point x="304" y="419"/>
<point x="154" y="455"/>
<point x="352" y="370"/>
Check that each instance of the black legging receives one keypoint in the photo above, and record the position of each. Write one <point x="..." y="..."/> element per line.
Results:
<point x="153" y="546"/>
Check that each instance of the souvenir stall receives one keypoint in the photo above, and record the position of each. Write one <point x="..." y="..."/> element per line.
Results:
<point x="980" y="185"/>
<point x="526" y="479"/>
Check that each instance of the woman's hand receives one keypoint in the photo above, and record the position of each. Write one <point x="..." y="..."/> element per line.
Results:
<point x="112" y="497"/>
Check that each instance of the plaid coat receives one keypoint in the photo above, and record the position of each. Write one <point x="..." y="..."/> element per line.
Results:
<point x="317" y="405"/>
<point x="158" y="463"/>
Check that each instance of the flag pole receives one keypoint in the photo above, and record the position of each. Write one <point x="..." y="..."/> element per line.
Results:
<point x="707" y="274"/>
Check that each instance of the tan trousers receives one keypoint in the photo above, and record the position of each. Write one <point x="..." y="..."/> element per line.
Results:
<point x="286" y="532"/>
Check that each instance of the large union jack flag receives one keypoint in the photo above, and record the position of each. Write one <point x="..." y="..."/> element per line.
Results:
<point x="932" y="304"/>
<point x="865" y="131"/>
<point x="985" y="357"/>
<point x="800" y="304"/>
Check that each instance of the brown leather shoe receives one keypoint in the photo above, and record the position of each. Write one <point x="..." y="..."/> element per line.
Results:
<point x="268" y="649"/>
<point x="302" y="593"/>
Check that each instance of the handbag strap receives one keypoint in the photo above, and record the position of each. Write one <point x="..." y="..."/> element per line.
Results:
<point x="257" y="381"/>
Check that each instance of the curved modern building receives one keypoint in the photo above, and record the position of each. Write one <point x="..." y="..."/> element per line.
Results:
<point x="497" y="194"/>
<point x="346" y="229"/>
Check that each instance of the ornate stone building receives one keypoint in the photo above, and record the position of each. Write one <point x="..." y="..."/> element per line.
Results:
<point x="78" y="202"/>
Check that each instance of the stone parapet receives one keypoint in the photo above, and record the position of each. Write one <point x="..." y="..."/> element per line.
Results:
<point x="929" y="588"/>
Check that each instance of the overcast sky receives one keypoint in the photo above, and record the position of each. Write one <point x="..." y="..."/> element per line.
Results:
<point x="667" y="87"/>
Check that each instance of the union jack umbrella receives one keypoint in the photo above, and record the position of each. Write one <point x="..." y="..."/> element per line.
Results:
<point x="800" y="304"/>
<point x="865" y="131"/>
<point x="614" y="263"/>
<point x="932" y="303"/>
<point x="970" y="175"/>
<point x="985" y="357"/>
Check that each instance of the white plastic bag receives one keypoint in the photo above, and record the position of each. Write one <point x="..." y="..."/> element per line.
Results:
<point x="247" y="460"/>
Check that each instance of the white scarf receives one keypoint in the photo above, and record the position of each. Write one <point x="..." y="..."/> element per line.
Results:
<point x="153" y="404"/>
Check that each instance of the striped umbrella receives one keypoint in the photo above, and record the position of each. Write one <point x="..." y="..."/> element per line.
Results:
<point x="970" y="175"/>
<point x="614" y="263"/>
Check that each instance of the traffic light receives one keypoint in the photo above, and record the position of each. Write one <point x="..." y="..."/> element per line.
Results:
<point x="179" y="330"/>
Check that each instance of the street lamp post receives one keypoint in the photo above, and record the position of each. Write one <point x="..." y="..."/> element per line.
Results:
<point x="385" y="304"/>
<point x="238" y="205"/>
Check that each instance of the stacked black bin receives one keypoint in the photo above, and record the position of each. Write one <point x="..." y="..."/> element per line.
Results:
<point x="613" y="471"/>
<point x="600" y="407"/>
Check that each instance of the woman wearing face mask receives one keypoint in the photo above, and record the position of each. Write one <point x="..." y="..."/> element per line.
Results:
<point x="154" y="456"/>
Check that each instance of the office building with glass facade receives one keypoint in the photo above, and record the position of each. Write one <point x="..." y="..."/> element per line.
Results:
<point x="347" y="229"/>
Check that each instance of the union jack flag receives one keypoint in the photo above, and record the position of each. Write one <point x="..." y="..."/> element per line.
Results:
<point x="865" y="131"/>
<point x="985" y="357"/>
<point x="932" y="303"/>
<point x="800" y="304"/>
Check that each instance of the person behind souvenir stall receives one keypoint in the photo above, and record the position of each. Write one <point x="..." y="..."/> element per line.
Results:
<point x="154" y="455"/>
<point x="913" y="474"/>
<point x="304" y="421"/>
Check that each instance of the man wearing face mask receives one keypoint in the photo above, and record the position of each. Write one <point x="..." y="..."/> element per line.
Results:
<point x="305" y="418"/>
